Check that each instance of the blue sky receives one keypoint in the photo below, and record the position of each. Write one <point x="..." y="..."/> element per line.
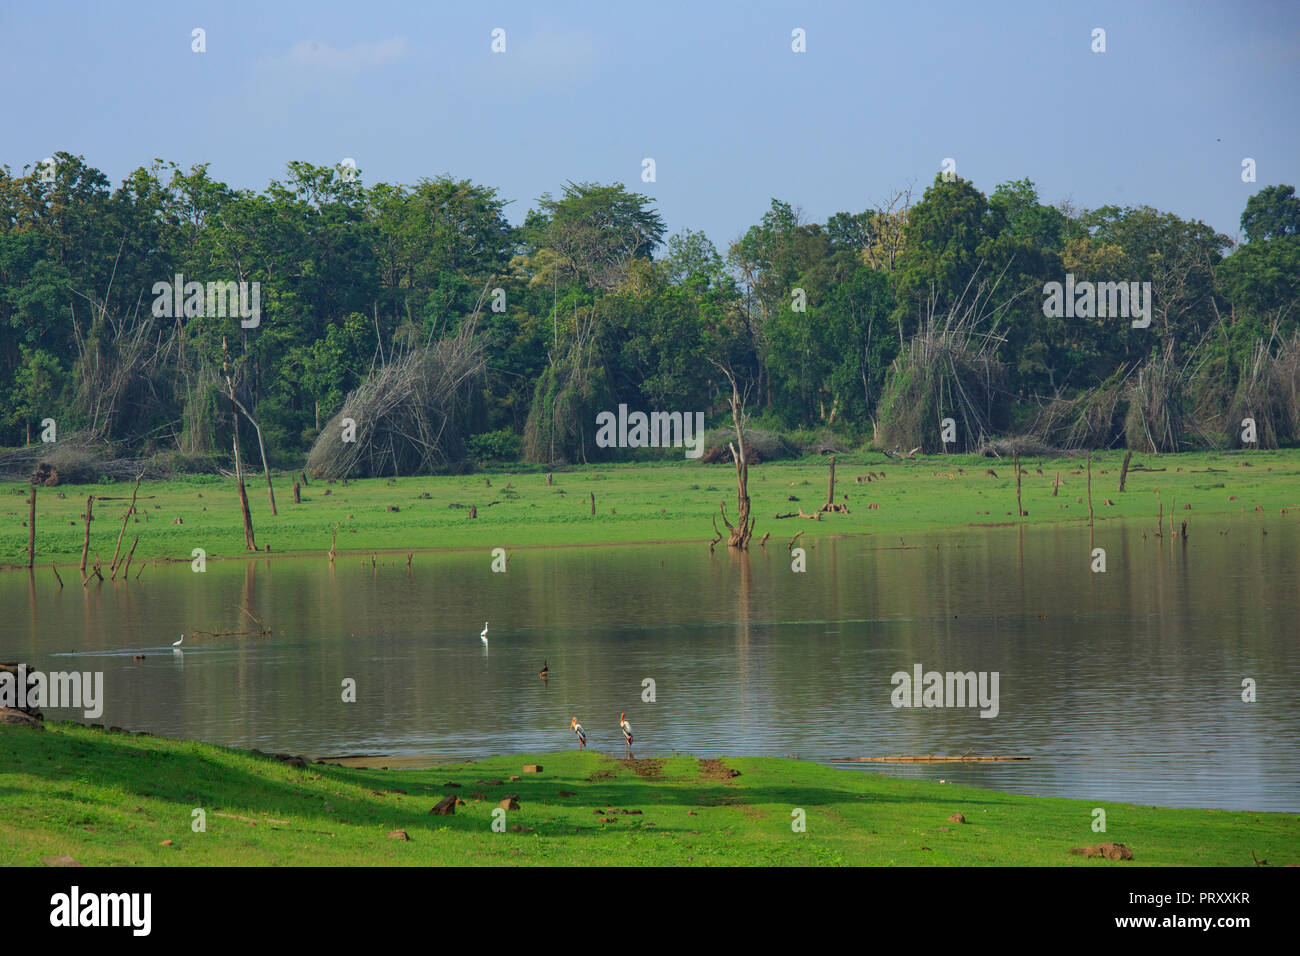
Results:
<point x="711" y="91"/>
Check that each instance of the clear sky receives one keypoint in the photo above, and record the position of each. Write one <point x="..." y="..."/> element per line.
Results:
<point x="710" y="90"/>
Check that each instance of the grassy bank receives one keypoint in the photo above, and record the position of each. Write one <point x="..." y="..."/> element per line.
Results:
<point x="636" y="503"/>
<point x="113" y="799"/>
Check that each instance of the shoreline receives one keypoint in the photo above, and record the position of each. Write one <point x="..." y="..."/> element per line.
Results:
<point x="566" y="809"/>
<point x="629" y="505"/>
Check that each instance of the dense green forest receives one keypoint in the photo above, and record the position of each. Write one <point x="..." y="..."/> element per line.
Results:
<point x="449" y="336"/>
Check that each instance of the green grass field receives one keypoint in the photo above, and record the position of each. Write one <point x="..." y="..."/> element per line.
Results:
<point x="114" y="799"/>
<point x="636" y="503"/>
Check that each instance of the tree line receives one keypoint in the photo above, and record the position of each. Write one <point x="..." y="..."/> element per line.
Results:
<point x="490" y="341"/>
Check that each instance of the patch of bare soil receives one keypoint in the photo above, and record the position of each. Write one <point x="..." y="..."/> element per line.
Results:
<point x="644" y="768"/>
<point x="1110" y="851"/>
<point x="716" y="770"/>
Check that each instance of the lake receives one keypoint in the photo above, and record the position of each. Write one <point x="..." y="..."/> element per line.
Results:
<point x="1124" y="685"/>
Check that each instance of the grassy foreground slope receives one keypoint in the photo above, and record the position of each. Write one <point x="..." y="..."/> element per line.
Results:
<point x="114" y="799"/>
<point x="642" y="502"/>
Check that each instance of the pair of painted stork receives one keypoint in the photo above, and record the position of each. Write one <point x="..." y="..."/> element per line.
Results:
<point x="576" y="727"/>
<point x="623" y="726"/>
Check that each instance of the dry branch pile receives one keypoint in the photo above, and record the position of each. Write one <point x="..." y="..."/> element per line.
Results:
<point x="1094" y="419"/>
<point x="561" y="420"/>
<point x="1156" y="417"/>
<point x="1268" y="392"/>
<point x="410" y="414"/>
<point x="948" y="370"/>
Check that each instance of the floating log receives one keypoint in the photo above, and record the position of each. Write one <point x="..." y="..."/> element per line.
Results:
<point x="931" y="758"/>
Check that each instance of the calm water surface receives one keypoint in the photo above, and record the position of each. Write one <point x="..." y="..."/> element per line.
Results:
<point x="1119" y="686"/>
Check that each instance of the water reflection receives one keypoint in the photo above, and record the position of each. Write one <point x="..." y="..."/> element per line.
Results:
<point x="1122" y="685"/>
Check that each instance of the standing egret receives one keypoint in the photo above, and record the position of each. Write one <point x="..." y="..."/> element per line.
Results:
<point x="577" y="729"/>
<point x="483" y="637"/>
<point x="624" y="726"/>
<point x="178" y="643"/>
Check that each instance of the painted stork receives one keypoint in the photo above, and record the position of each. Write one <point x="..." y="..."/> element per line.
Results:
<point x="577" y="729"/>
<point x="624" y="726"/>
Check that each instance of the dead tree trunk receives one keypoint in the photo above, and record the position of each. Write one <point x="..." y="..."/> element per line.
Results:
<point x="743" y="530"/>
<point x="297" y="493"/>
<point x="270" y="490"/>
<point x="250" y="544"/>
<point x="1015" y="463"/>
<point x="1090" y="489"/>
<point x="85" y="544"/>
<point x="112" y="567"/>
<point x="126" y="565"/>
<point x="31" y="529"/>
<point x="1123" y="472"/>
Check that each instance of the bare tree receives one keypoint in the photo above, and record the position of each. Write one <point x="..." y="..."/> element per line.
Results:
<point x="249" y="543"/>
<point x="743" y="530"/>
